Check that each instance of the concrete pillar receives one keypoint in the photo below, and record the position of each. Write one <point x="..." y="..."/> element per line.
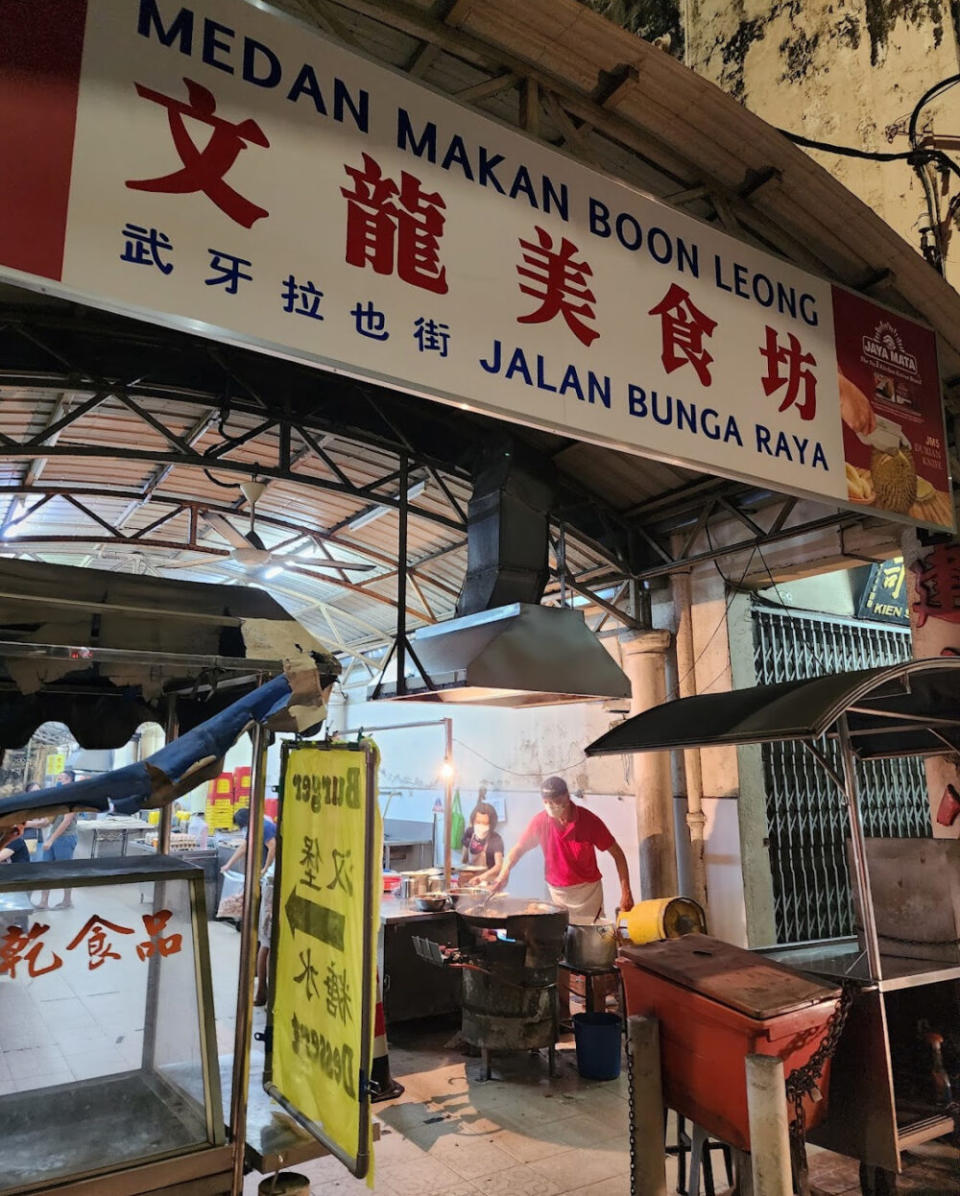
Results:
<point x="646" y="1128"/>
<point x="769" y="1134"/>
<point x="644" y="661"/>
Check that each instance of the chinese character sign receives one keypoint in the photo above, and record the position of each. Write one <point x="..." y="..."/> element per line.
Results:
<point x="325" y="950"/>
<point x="216" y="167"/>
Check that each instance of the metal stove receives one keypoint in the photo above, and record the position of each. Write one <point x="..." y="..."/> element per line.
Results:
<point x="509" y="951"/>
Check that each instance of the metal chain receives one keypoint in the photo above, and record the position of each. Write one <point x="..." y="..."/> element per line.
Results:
<point x="631" y="1110"/>
<point x="803" y="1081"/>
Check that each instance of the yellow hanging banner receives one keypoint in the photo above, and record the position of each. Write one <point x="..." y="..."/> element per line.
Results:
<point x="324" y="944"/>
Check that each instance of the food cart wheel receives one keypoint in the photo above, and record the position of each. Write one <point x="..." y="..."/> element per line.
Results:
<point x="876" y="1181"/>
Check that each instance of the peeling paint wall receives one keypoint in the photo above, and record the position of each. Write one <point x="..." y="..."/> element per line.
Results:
<point x="847" y="72"/>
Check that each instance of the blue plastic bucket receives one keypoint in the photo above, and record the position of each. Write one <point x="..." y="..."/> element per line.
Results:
<point x="597" y="1037"/>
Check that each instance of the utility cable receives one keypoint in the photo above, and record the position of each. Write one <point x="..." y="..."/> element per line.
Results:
<point x="516" y="772"/>
<point x="917" y="157"/>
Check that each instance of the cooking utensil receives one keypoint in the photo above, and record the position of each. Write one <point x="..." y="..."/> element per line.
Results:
<point x="495" y="907"/>
<point x="431" y="902"/>
<point x="415" y="884"/>
<point x="591" y="947"/>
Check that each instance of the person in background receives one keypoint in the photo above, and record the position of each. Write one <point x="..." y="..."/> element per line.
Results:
<point x="32" y="828"/>
<point x="15" y="851"/>
<point x="570" y="836"/>
<point x="60" y="842"/>
<point x="197" y="826"/>
<point x="481" y="843"/>
<point x="241" y="819"/>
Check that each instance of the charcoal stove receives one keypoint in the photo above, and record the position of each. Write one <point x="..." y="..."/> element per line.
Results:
<point x="509" y="950"/>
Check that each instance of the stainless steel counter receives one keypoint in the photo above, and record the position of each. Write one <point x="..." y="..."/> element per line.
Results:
<point x="393" y="909"/>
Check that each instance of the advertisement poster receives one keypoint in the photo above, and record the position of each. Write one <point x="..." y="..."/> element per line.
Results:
<point x="324" y="944"/>
<point x="893" y="437"/>
<point x="222" y="168"/>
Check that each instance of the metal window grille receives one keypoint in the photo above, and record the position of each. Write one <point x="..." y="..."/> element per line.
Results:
<point x="806" y="815"/>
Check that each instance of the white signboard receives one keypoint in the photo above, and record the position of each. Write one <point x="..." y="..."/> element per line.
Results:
<point x="222" y="167"/>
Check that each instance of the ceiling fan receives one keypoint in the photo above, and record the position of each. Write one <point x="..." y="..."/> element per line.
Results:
<point x="250" y="551"/>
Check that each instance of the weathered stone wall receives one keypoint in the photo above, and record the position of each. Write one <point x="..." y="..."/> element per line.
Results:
<point x="847" y="72"/>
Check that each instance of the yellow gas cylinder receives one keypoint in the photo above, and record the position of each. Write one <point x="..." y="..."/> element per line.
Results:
<point x="662" y="918"/>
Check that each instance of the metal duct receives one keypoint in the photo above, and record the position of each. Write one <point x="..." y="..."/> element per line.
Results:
<point x="507" y="534"/>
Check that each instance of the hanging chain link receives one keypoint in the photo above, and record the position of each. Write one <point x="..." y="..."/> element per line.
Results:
<point x="631" y="1112"/>
<point x="804" y="1081"/>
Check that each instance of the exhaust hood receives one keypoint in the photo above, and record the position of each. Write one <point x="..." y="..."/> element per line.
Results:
<point x="516" y="655"/>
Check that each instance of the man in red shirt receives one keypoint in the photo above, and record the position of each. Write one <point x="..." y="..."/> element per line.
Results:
<point x="570" y="836"/>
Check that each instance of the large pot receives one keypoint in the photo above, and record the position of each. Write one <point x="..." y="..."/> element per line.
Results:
<point x="590" y="947"/>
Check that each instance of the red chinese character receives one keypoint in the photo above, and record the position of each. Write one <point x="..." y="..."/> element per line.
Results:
<point x="391" y="226"/>
<point x="796" y="362"/>
<point x="13" y="950"/>
<point x="938" y="583"/>
<point x="559" y="283"/>
<point x="154" y="924"/>
<point x="98" y="947"/>
<point x="683" y="326"/>
<point x="203" y="169"/>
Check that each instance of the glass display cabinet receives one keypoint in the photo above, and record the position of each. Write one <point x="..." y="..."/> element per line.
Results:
<point x="108" y="1060"/>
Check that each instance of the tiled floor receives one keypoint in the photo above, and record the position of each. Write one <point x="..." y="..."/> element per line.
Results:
<point x="522" y="1134"/>
<point x="519" y="1134"/>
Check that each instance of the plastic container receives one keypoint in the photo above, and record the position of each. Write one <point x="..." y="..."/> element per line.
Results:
<point x="223" y="787"/>
<point x="242" y="779"/>
<point x="285" y="1183"/>
<point x="598" y="1037"/>
<point x="231" y="896"/>
<point x="662" y="918"/>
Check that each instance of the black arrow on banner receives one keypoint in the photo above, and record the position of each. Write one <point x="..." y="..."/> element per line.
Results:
<point x="319" y="921"/>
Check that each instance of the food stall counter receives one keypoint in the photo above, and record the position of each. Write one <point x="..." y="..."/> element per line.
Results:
<point x="412" y="988"/>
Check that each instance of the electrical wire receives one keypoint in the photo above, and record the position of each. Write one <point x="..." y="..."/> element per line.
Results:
<point x="849" y="151"/>
<point x="917" y="157"/>
<point x="734" y="588"/>
<point x="516" y="772"/>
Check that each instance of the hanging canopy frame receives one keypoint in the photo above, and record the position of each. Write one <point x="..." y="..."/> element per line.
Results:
<point x="905" y="710"/>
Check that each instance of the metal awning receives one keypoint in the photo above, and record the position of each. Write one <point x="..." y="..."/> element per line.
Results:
<point x="909" y="709"/>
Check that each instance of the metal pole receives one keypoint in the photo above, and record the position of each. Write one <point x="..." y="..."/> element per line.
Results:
<point x="166" y="812"/>
<point x="401" y="640"/>
<point x="649" y="1176"/>
<point x="862" y="875"/>
<point x="159" y="901"/>
<point x="447" y="800"/>
<point x="248" y="959"/>
<point x="769" y="1135"/>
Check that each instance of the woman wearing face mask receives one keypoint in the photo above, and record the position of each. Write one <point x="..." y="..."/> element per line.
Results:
<point x="481" y="843"/>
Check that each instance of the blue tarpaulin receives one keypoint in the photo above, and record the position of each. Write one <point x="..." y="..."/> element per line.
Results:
<point x="178" y="767"/>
